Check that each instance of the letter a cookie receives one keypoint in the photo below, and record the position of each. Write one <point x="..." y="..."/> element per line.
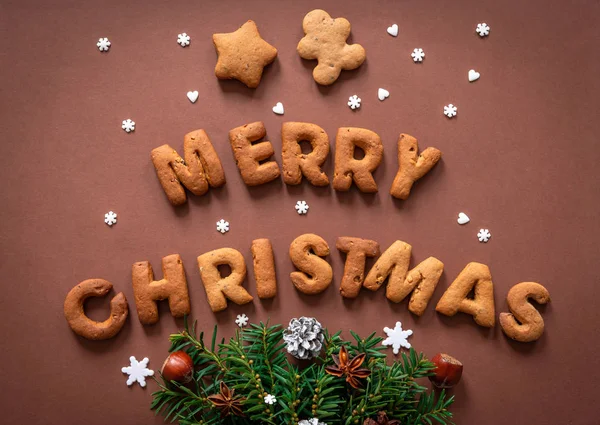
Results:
<point x="325" y="41"/>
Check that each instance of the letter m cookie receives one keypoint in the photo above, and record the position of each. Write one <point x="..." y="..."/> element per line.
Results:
<point x="200" y="169"/>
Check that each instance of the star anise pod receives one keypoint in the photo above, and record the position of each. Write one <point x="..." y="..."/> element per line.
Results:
<point x="350" y="368"/>
<point x="226" y="402"/>
<point x="382" y="419"/>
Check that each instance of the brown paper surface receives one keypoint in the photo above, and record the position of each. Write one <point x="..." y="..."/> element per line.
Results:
<point x="520" y="159"/>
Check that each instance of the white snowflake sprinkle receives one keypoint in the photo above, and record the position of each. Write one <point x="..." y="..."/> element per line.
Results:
<point x="301" y="207"/>
<point x="450" y="110"/>
<point x="270" y="399"/>
<point x="183" y="39"/>
<point x="313" y="421"/>
<point x="482" y="29"/>
<point x="397" y="337"/>
<point x="418" y="55"/>
<point x="103" y="44"/>
<point x="222" y="226"/>
<point x="484" y="235"/>
<point x="110" y="218"/>
<point x="354" y="102"/>
<point x="241" y="320"/>
<point x="128" y="125"/>
<point x="137" y="371"/>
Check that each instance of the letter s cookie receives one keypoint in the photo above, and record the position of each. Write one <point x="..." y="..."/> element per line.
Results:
<point x="524" y="323"/>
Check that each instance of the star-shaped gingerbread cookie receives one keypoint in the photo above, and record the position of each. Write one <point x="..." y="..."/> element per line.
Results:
<point x="243" y="54"/>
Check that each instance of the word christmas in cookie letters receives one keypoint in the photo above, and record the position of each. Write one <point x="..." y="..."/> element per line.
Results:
<point x="314" y="274"/>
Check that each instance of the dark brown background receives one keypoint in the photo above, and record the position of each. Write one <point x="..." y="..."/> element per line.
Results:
<point x="520" y="159"/>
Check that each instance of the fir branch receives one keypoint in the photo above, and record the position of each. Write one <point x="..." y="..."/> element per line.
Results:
<point x="327" y="391"/>
<point x="265" y="347"/>
<point x="290" y="397"/>
<point x="416" y="366"/>
<point x="429" y="409"/>
<point x="254" y="361"/>
<point x="370" y="345"/>
<point x="195" y="347"/>
<point x="245" y="378"/>
<point x="332" y="345"/>
<point x="178" y="402"/>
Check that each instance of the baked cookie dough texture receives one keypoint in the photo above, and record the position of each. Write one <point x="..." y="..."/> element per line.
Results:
<point x="243" y="54"/>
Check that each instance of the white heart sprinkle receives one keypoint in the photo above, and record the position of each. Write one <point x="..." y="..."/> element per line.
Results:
<point x="382" y="94"/>
<point x="473" y="75"/>
<point x="278" y="109"/>
<point x="463" y="218"/>
<point x="193" y="96"/>
<point x="393" y="30"/>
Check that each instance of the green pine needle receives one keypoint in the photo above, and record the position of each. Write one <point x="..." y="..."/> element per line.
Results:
<point x="254" y="363"/>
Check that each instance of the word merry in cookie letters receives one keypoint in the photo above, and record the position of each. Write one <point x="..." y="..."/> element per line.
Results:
<point x="201" y="168"/>
<point x="312" y="276"/>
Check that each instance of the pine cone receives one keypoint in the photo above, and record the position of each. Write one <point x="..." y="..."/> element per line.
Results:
<point x="304" y="338"/>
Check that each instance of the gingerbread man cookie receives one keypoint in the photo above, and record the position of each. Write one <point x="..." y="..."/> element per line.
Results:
<point x="325" y="41"/>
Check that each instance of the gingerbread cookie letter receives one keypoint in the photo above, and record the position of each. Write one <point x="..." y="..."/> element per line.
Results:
<point x="295" y="163"/>
<point x="421" y="281"/>
<point x="412" y="166"/>
<point x="148" y="291"/>
<point x="347" y="168"/>
<point x="482" y="306"/>
<point x="264" y="268"/>
<point x="357" y="251"/>
<point x="530" y="325"/>
<point x="83" y="325"/>
<point x="248" y="154"/>
<point x="325" y="41"/>
<point x="315" y="273"/>
<point x="243" y="54"/>
<point x="218" y="288"/>
<point x="200" y="169"/>
<point x="394" y="263"/>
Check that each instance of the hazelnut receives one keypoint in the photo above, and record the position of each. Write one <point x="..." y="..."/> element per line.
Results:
<point x="178" y="367"/>
<point x="447" y="372"/>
